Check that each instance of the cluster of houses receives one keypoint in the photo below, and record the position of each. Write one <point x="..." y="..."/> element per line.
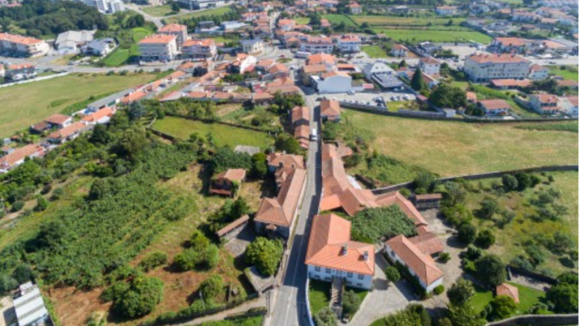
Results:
<point x="333" y="255"/>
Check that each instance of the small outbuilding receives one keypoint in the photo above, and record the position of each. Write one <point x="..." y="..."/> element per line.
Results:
<point x="224" y="183"/>
<point x="508" y="290"/>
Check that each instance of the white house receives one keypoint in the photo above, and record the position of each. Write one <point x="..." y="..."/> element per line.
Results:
<point x="422" y="266"/>
<point x="252" y="45"/>
<point x="538" y="72"/>
<point x="349" y="43"/>
<point x="332" y="254"/>
<point x="17" y="44"/>
<point x="16" y="157"/>
<point x="544" y="103"/>
<point x="399" y="50"/>
<point x="332" y="82"/>
<point x="495" y="107"/>
<point x="485" y="67"/>
<point x="180" y="31"/>
<point x="317" y="45"/>
<point x="377" y="68"/>
<point x="569" y="105"/>
<point x="429" y="65"/>
<point x="446" y="10"/>
<point x="199" y="48"/>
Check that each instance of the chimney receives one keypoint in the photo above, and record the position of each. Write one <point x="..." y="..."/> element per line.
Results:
<point x="344" y="250"/>
<point x="366" y="256"/>
<point x="293" y="166"/>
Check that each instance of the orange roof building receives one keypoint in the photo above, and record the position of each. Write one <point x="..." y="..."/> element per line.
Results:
<point x="508" y="290"/>
<point x="68" y="133"/>
<point x="331" y="253"/>
<point x="484" y="67"/>
<point x="101" y="116"/>
<point x="330" y="109"/>
<point x="16" y="157"/>
<point x="25" y="45"/>
<point x="223" y="183"/>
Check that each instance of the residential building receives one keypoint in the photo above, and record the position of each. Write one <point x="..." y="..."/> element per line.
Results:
<point x="330" y="110"/>
<point x="495" y="107"/>
<point x="332" y="82"/>
<point x="332" y="254"/>
<point x="544" y="103"/>
<point x="314" y="44"/>
<point x="99" y="47"/>
<point x="200" y="4"/>
<point x="72" y="41"/>
<point x="242" y="62"/>
<point x="301" y="124"/>
<point x="421" y="265"/>
<point x="158" y="47"/>
<point x="399" y="50"/>
<point x="569" y="106"/>
<point x="68" y="133"/>
<point x="225" y="182"/>
<point x="278" y="215"/>
<point x="322" y="59"/>
<point x="101" y="116"/>
<point x="252" y="46"/>
<point x="349" y="43"/>
<point x="29" y="306"/>
<point x="376" y="68"/>
<point x="355" y="8"/>
<point x="17" y="72"/>
<point x="105" y="6"/>
<point x="180" y="31"/>
<point x="286" y="25"/>
<point x="446" y="10"/>
<point x="231" y="26"/>
<point x="429" y="65"/>
<point x="58" y="121"/>
<point x="484" y="67"/>
<point x="17" y="157"/>
<point x="199" y="48"/>
<point x="538" y="72"/>
<point x="11" y="44"/>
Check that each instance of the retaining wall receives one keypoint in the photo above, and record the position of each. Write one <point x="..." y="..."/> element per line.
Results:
<point x="538" y="320"/>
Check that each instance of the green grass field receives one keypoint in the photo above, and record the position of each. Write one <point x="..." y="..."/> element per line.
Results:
<point x="302" y="20"/>
<point x="419" y="35"/>
<point x="374" y="51"/>
<point x="121" y="56"/>
<point x="337" y="19"/>
<point x="405" y="21"/>
<point x="570" y="73"/>
<point x="223" y="135"/>
<point x="215" y="12"/>
<point x="158" y="11"/>
<point x="455" y="148"/>
<point x="528" y="297"/>
<point x="318" y="295"/>
<point x="26" y="104"/>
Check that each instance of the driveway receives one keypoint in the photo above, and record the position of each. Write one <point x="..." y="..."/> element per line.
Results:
<point x="386" y="298"/>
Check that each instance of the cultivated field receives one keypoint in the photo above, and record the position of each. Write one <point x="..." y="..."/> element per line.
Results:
<point x="455" y="148"/>
<point x="222" y="135"/>
<point x="570" y="72"/>
<point x="405" y="21"/>
<point x="121" y="56"/>
<point x="26" y="104"/>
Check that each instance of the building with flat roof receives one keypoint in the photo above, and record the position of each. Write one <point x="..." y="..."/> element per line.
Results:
<point x="29" y="306"/>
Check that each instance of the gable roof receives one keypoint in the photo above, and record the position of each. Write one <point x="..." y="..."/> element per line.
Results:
<point x="57" y="119"/>
<point x="96" y="116"/>
<point x="495" y="104"/>
<point x="428" y="243"/>
<point x="422" y="265"/>
<point x="300" y="113"/>
<point x="508" y="290"/>
<point x="19" y="154"/>
<point x="395" y="198"/>
<point x="329" y="107"/>
<point x="68" y="130"/>
<point x="275" y="159"/>
<point x="232" y="174"/>
<point x="329" y="236"/>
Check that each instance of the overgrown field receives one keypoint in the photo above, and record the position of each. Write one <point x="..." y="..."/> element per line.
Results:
<point x="26" y="104"/>
<point x="567" y="72"/>
<point x="158" y="11"/>
<point x="405" y="21"/>
<point x="215" y="11"/>
<point x="434" y="35"/>
<point x="456" y="148"/>
<point x="222" y="135"/>
<point x="337" y="19"/>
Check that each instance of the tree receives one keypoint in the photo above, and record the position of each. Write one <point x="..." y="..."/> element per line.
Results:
<point x="259" y="165"/>
<point x="489" y="207"/>
<point x="417" y="82"/>
<point x="502" y="307"/>
<point x="325" y="317"/>
<point x="288" y="144"/>
<point x="211" y="287"/>
<point x="524" y="180"/>
<point x="509" y="182"/>
<point x="455" y="192"/>
<point x="460" y="292"/>
<point x="175" y="7"/>
<point x="485" y="238"/>
<point x="403" y="64"/>
<point x="392" y="274"/>
<point x="564" y="295"/>
<point x="457" y="214"/>
<point x="153" y="260"/>
<point x="265" y="254"/>
<point x="467" y="233"/>
<point x="464" y="315"/>
<point x="41" y="204"/>
<point x="424" y="182"/>
<point x="490" y="270"/>
<point x="22" y="273"/>
<point x="350" y="302"/>
<point x="447" y="96"/>
<point x="140" y="297"/>
<point x="198" y="241"/>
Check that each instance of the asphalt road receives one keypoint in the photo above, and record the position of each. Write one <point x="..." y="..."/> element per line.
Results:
<point x="290" y="308"/>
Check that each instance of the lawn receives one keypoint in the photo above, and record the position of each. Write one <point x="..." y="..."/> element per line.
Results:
<point x="26" y="104"/>
<point x="121" y="55"/>
<point x="374" y="51"/>
<point x="528" y="297"/>
<point x="158" y="11"/>
<point x="318" y="295"/>
<point x="510" y="241"/>
<point x="405" y="21"/>
<point x="223" y="135"/>
<point x="302" y="20"/>
<point x="419" y="35"/>
<point x="337" y="19"/>
<point x="456" y="148"/>
<point x="210" y="12"/>
<point x="570" y="72"/>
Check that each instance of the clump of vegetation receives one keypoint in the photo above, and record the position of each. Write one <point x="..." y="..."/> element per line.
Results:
<point x="212" y="287"/>
<point x="325" y="317"/>
<point x="350" y="302"/>
<point x="372" y="224"/>
<point x="202" y="254"/>
<point x="135" y="298"/>
<point x="153" y="260"/>
<point x="265" y="254"/>
<point x="413" y="314"/>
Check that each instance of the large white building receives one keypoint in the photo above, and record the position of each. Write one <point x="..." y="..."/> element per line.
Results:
<point x="105" y="6"/>
<point x="485" y="67"/>
<point x="315" y="45"/>
<point x="11" y="44"/>
<point x="180" y="31"/>
<point x="252" y="45"/>
<point x="203" y="48"/>
<point x="349" y="43"/>
<point x="331" y="253"/>
<point x="429" y="65"/>
<point x="158" y="47"/>
<point x="201" y="4"/>
<point x="332" y="82"/>
<point x="29" y="306"/>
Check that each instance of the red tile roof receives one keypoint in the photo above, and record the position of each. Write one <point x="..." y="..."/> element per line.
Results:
<point x="395" y="198"/>
<point x="495" y="104"/>
<point x="232" y="175"/>
<point x="68" y="130"/>
<point x="329" y="237"/>
<point x="496" y="58"/>
<point x="300" y="113"/>
<point x="428" y="243"/>
<point x="158" y="39"/>
<point x="508" y="290"/>
<point x="422" y="265"/>
<point x="57" y="119"/>
<point x="19" y="154"/>
<point x="95" y="116"/>
<point x="329" y="108"/>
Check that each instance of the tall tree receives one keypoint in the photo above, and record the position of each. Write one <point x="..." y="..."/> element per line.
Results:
<point x="417" y="82"/>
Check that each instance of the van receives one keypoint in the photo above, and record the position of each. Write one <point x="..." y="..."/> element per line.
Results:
<point x="313" y="135"/>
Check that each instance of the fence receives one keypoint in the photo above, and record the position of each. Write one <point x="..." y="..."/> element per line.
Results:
<point x="35" y="79"/>
<point x="532" y="275"/>
<point x="538" y="320"/>
<point x="496" y="174"/>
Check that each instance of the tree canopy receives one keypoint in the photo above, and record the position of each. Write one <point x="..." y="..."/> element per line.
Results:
<point x="448" y="97"/>
<point x="371" y="224"/>
<point x="265" y="254"/>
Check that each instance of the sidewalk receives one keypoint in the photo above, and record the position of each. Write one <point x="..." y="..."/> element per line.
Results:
<point x="259" y="302"/>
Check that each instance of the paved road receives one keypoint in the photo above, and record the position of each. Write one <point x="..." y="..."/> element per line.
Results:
<point x="290" y="308"/>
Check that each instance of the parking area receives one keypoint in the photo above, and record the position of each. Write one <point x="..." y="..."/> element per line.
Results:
<point x="371" y="98"/>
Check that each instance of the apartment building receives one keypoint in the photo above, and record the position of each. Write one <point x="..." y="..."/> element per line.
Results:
<point x="18" y="45"/>
<point x="485" y="67"/>
<point x="349" y="43"/>
<point x="199" y="48"/>
<point x="316" y="45"/>
<point x="544" y="103"/>
<point x="429" y="65"/>
<point x="200" y="4"/>
<point x="180" y="31"/>
<point x="105" y="6"/>
<point x="158" y="47"/>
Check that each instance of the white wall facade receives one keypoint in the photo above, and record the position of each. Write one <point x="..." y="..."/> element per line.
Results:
<point x="334" y="84"/>
<point x="428" y="288"/>
<point x="484" y="72"/>
<point x="360" y="281"/>
<point x="159" y="51"/>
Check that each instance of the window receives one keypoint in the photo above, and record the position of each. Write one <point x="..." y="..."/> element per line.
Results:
<point x="349" y="274"/>
<point x="359" y="284"/>
<point x="328" y="271"/>
<point x="316" y="268"/>
<point x="361" y="276"/>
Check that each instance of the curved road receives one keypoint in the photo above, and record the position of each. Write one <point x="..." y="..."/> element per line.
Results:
<point x="290" y="307"/>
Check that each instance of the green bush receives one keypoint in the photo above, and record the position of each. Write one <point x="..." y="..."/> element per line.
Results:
<point x="198" y="241"/>
<point x="212" y="286"/>
<point x="41" y="204"/>
<point x="485" y="238"/>
<point x="17" y="205"/>
<point x="191" y="259"/>
<point x="392" y="274"/>
<point x="325" y="317"/>
<point x="350" y="302"/>
<point x="139" y="298"/>
<point x="490" y="270"/>
<point x="444" y="257"/>
<point x="509" y="182"/>
<point x="502" y="307"/>
<point x="467" y="233"/>
<point x="153" y="260"/>
<point x="460" y="292"/>
<point x="439" y="289"/>
<point x="265" y="254"/>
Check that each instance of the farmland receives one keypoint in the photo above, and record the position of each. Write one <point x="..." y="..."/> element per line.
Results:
<point x="455" y="148"/>
<point x="375" y="21"/>
<point x="222" y="135"/>
<point x="569" y="72"/>
<point x="26" y="104"/>
<point x="337" y="19"/>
